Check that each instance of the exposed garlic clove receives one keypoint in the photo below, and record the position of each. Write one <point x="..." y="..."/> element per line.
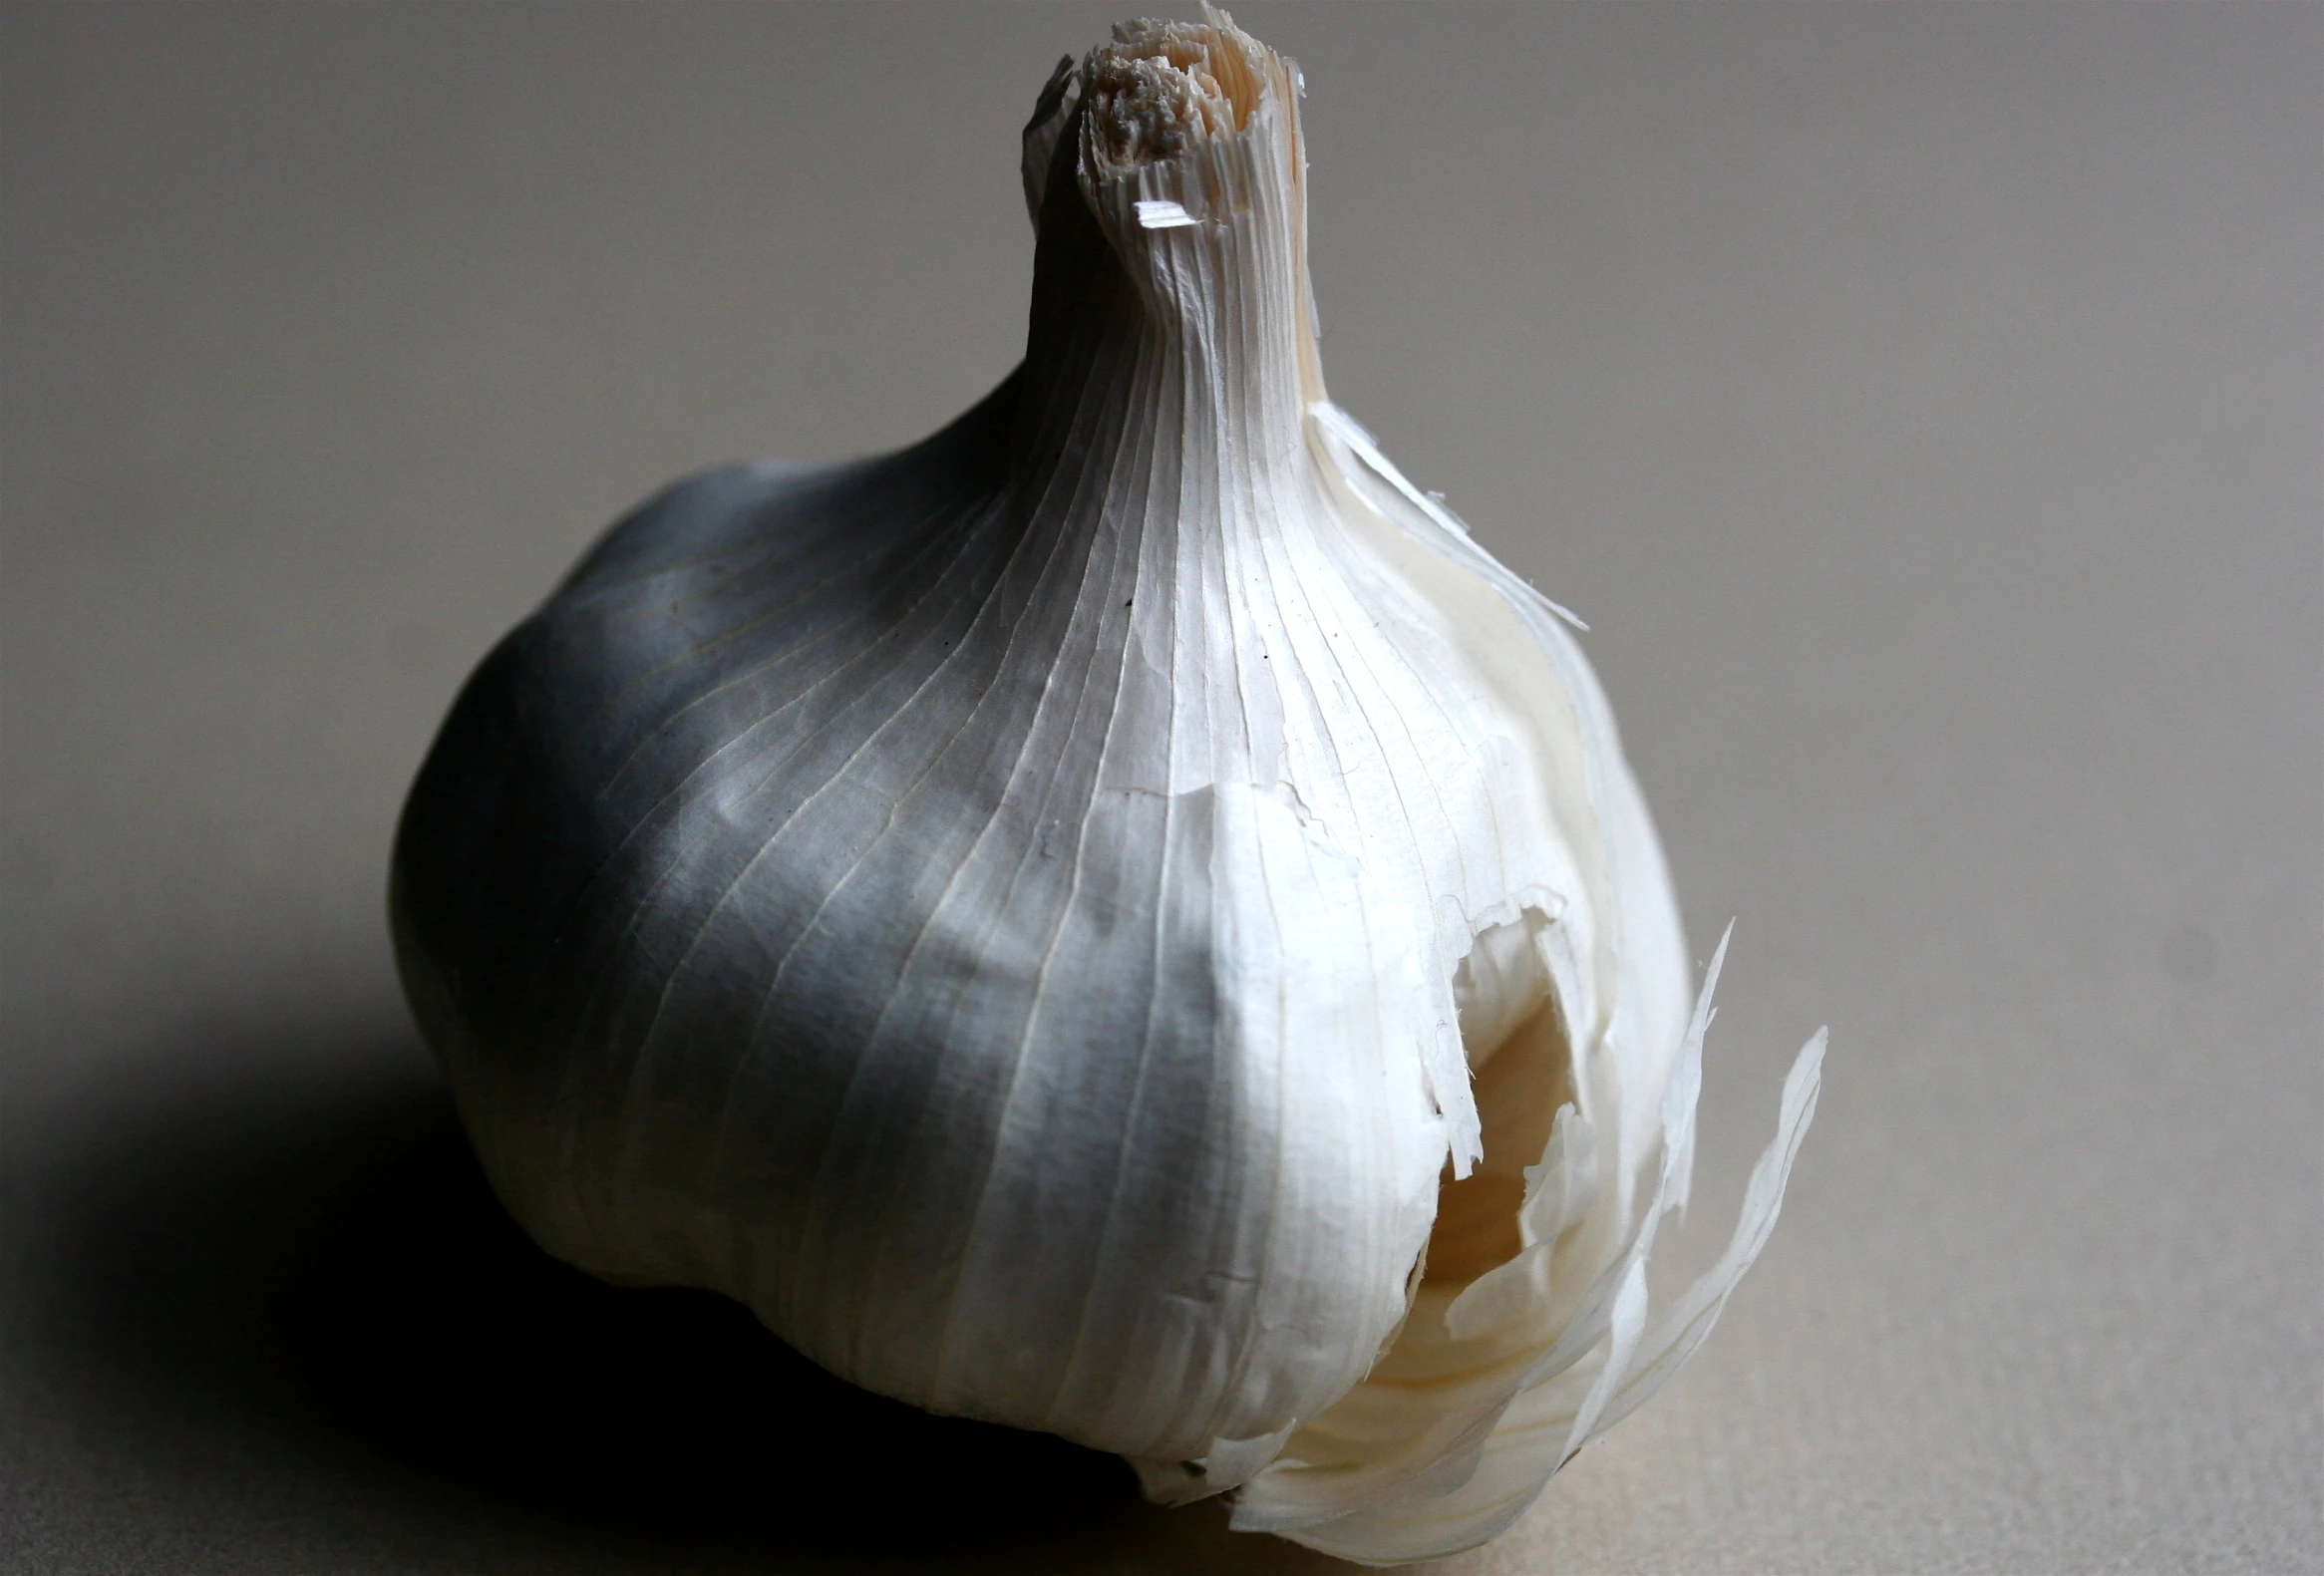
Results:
<point x="1025" y="914"/>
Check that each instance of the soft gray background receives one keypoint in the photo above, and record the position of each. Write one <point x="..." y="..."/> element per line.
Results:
<point x="1921" y="401"/>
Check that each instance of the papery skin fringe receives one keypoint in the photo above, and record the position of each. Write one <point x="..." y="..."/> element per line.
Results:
<point x="1056" y="917"/>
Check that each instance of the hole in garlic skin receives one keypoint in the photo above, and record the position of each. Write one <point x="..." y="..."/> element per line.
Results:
<point x="1522" y="1067"/>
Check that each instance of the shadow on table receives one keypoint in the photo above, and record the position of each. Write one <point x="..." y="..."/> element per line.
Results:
<point x="311" y="1258"/>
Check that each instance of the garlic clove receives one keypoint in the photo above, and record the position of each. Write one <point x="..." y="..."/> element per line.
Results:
<point x="1119" y="918"/>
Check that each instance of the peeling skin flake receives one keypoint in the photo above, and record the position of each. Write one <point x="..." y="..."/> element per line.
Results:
<point x="1120" y="918"/>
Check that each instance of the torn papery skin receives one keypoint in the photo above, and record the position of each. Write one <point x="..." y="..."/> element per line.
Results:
<point x="1118" y="919"/>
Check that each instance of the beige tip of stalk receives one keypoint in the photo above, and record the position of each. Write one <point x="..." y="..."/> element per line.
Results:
<point x="1160" y="87"/>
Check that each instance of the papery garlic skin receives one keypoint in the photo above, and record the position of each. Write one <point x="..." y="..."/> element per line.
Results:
<point x="1024" y="913"/>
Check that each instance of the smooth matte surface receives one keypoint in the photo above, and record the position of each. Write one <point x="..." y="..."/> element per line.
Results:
<point x="1922" y="404"/>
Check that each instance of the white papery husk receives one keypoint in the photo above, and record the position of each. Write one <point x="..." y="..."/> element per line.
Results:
<point x="1119" y="919"/>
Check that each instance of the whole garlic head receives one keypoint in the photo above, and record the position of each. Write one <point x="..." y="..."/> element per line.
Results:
<point x="1118" y="919"/>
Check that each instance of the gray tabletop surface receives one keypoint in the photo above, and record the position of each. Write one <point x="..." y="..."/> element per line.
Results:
<point x="1922" y="404"/>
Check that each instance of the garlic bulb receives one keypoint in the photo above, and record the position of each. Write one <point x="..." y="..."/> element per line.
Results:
<point x="1117" y="919"/>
